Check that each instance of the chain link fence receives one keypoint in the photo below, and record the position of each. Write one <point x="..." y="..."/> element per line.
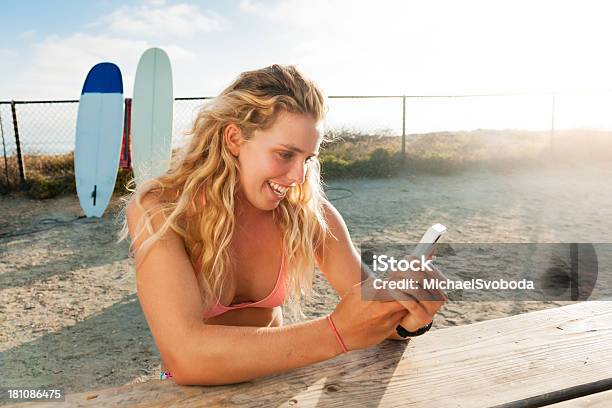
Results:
<point x="38" y="136"/>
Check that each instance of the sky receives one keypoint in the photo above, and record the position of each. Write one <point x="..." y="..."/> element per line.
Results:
<point x="348" y="47"/>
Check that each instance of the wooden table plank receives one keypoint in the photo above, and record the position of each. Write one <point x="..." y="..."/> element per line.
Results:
<point x="497" y="362"/>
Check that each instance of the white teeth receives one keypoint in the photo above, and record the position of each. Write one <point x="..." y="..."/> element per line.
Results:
<point x="278" y="189"/>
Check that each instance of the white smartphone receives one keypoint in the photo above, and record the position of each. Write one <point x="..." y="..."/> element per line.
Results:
<point x="426" y="246"/>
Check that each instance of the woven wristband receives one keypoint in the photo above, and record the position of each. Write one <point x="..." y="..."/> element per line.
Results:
<point x="333" y="327"/>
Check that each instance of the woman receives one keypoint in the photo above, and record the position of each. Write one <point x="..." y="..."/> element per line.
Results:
<point x="234" y="229"/>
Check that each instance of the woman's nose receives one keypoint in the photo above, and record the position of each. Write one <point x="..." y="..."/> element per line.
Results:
<point x="298" y="172"/>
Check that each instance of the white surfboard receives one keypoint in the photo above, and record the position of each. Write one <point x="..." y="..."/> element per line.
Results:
<point x="152" y="111"/>
<point x="98" y="138"/>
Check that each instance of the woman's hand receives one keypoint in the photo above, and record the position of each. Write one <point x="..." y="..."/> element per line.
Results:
<point x="364" y="323"/>
<point x="421" y="303"/>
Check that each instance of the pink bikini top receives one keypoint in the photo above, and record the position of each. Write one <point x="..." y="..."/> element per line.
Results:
<point x="275" y="298"/>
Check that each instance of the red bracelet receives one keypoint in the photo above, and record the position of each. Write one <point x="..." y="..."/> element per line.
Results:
<point x="333" y="327"/>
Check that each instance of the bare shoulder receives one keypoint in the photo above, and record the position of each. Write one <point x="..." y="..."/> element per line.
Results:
<point x="136" y="209"/>
<point x="146" y="218"/>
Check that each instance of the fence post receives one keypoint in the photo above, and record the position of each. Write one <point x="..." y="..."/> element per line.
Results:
<point x="20" y="162"/>
<point x="404" y="128"/>
<point x="6" y="172"/>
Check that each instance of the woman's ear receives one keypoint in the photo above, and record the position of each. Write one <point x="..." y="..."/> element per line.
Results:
<point x="232" y="136"/>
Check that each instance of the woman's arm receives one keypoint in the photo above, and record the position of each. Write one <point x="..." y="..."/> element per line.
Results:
<point x="338" y="259"/>
<point x="215" y="354"/>
<point x="342" y="266"/>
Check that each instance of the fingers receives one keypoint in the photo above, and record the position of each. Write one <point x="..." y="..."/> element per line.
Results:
<point x="397" y="317"/>
<point x="435" y="272"/>
<point x="431" y="307"/>
<point x="416" y="287"/>
<point x="410" y="301"/>
<point x="392" y="306"/>
<point x="408" y="312"/>
<point x="427" y="300"/>
<point x="418" y="279"/>
<point x="407" y="301"/>
<point x="435" y="293"/>
<point x="416" y="318"/>
<point x="422" y="315"/>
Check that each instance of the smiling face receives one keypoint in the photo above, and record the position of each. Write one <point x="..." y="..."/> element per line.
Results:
<point x="274" y="160"/>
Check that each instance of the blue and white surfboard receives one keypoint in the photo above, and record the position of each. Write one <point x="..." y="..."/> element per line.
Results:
<point x="98" y="138"/>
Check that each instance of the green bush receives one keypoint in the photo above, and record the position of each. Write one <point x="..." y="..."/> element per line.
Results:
<point x="334" y="167"/>
<point x="41" y="187"/>
<point x="380" y="163"/>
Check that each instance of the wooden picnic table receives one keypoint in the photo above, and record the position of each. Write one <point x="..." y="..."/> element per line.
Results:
<point x="532" y="359"/>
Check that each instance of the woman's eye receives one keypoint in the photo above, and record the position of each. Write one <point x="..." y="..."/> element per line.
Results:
<point x="288" y="156"/>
